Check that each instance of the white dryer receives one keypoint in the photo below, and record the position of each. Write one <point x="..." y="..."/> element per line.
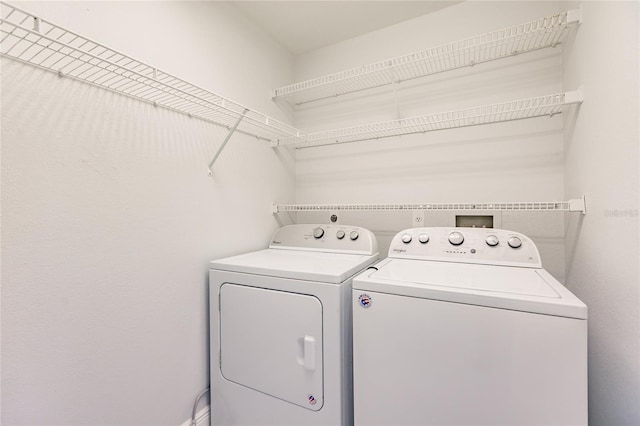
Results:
<point x="462" y="326"/>
<point x="281" y="328"/>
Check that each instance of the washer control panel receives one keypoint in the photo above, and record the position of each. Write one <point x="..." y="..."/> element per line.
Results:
<point x="329" y="238"/>
<point x="466" y="245"/>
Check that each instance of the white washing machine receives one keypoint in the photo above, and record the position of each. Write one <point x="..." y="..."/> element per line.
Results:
<point x="281" y="328"/>
<point x="462" y="326"/>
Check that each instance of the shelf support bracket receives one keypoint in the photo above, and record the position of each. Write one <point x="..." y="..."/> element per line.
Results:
<point x="574" y="96"/>
<point x="578" y="205"/>
<point x="233" y="129"/>
<point x="574" y="15"/>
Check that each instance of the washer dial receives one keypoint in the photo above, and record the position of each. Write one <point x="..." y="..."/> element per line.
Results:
<point x="406" y="238"/>
<point x="456" y="238"/>
<point x="423" y="238"/>
<point x="340" y="234"/>
<point x="354" y="235"/>
<point x="492" y="241"/>
<point x="514" y="242"/>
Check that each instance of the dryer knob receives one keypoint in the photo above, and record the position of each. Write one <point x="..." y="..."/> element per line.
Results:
<point x="354" y="235"/>
<point x="423" y="238"/>
<point x="456" y="238"/>
<point x="340" y="234"/>
<point x="318" y="233"/>
<point x="492" y="240"/>
<point x="515" y="242"/>
<point x="406" y="238"/>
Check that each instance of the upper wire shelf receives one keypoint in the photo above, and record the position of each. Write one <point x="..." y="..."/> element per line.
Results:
<point x="527" y="37"/>
<point x="573" y="205"/>
<point x="36" y="41"/>
<point x="548" y="105"/>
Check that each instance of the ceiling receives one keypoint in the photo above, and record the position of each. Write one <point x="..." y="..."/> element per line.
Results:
<point x="302" y="26"/>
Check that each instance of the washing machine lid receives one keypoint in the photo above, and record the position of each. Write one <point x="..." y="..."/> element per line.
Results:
<point x="516" y="288"/>
<point x="297" y="264"/>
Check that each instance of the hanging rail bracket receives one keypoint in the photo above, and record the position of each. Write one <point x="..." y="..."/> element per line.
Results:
<point x="574" y="96"/>
<point x="578" y="205"/>
<point x="226" y="139"/>
<point x="574" y="15"/>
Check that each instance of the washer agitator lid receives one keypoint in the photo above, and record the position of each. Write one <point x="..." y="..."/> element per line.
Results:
<point x="324" y="253"/>
<point x="484" y="267"/>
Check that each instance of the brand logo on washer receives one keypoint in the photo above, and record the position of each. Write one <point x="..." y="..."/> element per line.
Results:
<point x="312" y="400"/>
<point x="365" y="300"/>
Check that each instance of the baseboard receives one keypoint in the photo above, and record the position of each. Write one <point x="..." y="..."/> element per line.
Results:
<point x="202" y="417"/>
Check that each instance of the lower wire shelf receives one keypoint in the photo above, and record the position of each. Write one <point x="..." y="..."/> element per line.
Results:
<point x="573" y="205"/>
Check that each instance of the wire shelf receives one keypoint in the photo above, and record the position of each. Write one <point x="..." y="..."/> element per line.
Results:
<point x="548" y="105"/>
<point x="574" y="205"/>
<point x="36" y="41"/>
<point x="527" y="37"/>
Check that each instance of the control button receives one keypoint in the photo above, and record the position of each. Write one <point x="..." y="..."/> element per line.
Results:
<point x="406" y="238"/>
<point x="514" y="242"/>
<point x="340" y="234"/>
<point x="456" y="238"/>
<point x="423" y="238"/>
<point x="492" y="240"/>
<point x="318" y="233"/>
<point x="354" y="235"/>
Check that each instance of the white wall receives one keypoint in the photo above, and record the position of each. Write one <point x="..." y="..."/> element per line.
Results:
<point x="109" y="218"/>
<point x="601" y="148"/>
<point x="516" y="161"/>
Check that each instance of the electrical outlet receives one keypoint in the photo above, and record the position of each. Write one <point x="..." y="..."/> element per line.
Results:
<point x="417" y="218"/>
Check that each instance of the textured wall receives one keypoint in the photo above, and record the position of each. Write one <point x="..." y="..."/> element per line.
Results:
<point x="601" y="146"/>
<point x="109" y="217"/>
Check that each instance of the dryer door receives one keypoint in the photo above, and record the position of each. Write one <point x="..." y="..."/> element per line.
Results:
<point x="271" y="341"/>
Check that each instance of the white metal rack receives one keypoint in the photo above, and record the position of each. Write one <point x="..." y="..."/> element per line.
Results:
<point x="36" y="41"/>
<point x="573" y="205"/>
<point x="548" y="105"/>
<point x="527" y="37"/>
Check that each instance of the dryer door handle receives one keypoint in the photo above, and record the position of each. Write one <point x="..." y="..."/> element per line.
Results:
<point x="309" y="353"/>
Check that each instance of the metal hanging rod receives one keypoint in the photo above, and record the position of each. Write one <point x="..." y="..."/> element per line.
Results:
<point x="527" y="37"/>
<point x="548" y="105"/>
<point x="36" y="41"/>
<point x="574" y="205"/>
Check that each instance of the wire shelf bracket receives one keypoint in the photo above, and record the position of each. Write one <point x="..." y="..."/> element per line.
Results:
<point x="573" y="205"/>
<point x="30" y="39"/>
<point x="547" y="105"/>
<point x="527" y="37"/>
<point x="224" y="143"/>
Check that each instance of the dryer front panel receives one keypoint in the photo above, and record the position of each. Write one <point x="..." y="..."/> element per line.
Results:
<point x="271" y="341"/>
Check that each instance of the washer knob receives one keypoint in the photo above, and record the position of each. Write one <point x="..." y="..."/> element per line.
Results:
<point x="492" y="241"/>
<point x="515" y="242"/>
<point x="456" y="238"/>
<point x="340" y="234"/>
<point x="423" y="238"/>
<point x="318" y="233"/>
<point x="354" y="235"/>
<point x="406" y="238"/>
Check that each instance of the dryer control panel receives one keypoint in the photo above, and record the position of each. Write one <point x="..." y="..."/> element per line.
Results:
<point x="466" y="245"/>
<point x="327" y="238"/>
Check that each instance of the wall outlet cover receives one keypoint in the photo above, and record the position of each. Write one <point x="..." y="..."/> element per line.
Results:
<point x="417" y="218"/>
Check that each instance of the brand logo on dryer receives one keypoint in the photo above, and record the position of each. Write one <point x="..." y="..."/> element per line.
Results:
<point x="312" y="400"/>
<point x="365" y="300"/>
